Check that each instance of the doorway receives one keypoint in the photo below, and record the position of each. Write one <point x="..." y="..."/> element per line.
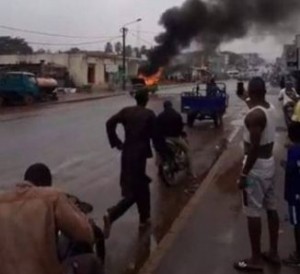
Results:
<point x="91" y="74"/>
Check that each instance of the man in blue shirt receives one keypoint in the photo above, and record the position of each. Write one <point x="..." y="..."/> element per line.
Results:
<point x="292" y="189"/>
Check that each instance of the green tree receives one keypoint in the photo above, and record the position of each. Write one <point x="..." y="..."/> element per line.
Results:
<point x="143" y="50"/>
<point x="40" y="51"/>
<point x="129" y="51"/>
<point x="118" y="47"/>
<point x="137" y="52"/>
<point x="74" y="50"/>
<point x="9" y="45"/>
<point x="108" y="48"/>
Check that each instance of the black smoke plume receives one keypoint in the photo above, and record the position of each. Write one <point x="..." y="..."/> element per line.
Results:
<point x="212" y="23"/>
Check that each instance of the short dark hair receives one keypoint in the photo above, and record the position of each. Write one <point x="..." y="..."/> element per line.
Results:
<point x="142" y="97"/>
<point x="168" y="104"/>
<point x="294" y="132"/>
<point x="257" y="87"/>
<point x="39" y="175"/>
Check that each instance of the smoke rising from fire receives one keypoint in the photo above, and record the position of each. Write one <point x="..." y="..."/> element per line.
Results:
<point x="212" y="23"/>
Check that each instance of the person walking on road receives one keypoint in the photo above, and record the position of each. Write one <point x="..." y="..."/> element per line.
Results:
<point x="139" y="125"/>
<point x="257" y="176"/>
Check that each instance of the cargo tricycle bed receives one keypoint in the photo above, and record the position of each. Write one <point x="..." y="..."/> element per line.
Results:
<point x="211" y="105"/>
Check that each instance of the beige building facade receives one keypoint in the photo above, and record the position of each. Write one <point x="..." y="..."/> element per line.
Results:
<point x="85" y="68"/>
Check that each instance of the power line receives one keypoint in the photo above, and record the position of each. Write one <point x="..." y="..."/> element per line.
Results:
<point x="148" y="31"/>
<point x="51" y="34"/>
<point x="145" y="41"/>
<point x="73" y="44"/>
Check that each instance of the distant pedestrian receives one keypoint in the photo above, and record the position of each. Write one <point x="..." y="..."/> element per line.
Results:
<point x="282" y="82"/>
<point x="241" y="92"/>
<point x="139" y="125"/>
<point x="257" y="176"/>
<point x="292" y="189"/>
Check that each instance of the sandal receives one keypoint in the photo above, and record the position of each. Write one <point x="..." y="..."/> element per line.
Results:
<point x="274" y="260"/>
<point x="245" y="266"/>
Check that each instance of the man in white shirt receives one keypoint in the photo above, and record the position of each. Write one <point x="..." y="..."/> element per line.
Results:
<point x="288" y="95"/>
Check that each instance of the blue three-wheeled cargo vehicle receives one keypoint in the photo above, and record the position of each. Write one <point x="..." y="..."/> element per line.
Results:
<point x="205" y="102"/>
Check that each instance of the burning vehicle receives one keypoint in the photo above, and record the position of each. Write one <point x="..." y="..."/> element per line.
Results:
<point x="142" y="81"/>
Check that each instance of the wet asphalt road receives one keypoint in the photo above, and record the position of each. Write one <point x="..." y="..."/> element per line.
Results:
<point x="71" y="139"/>
<point x="212" y="240"/>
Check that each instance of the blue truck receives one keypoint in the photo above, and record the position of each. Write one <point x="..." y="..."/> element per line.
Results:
<point x="26" y="88"/>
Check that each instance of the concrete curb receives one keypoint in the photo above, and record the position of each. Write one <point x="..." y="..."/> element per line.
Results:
<point x="79" y="100"/>
<point x="174" y="86"/>
<point x="154" y="261"/>
<point x="99" y="97"/>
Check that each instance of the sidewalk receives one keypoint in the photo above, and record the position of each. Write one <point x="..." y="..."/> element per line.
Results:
<point x="211" y="232"/>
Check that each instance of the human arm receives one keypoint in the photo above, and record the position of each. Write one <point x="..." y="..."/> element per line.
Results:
<point x="255" y="122"/>
<point x="156" y="133"/>
<point x="71" y="221"/>
<point x="111" y="127"/>
<point x="281" y="95"/>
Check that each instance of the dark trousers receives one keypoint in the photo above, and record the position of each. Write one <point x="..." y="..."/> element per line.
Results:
<point x="134" y="184"/>
<point x="141" y="196"/>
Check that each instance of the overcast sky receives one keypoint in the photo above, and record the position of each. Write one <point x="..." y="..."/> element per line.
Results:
<point x="102" y="18"/>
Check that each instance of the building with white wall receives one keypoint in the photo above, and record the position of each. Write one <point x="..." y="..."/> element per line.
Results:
<point x="85" y="68"/>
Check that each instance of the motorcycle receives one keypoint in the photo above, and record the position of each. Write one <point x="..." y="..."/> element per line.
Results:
<point x="81" y="258"/>
<point x="176" y="161"/>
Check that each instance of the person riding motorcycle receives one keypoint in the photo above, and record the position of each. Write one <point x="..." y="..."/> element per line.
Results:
<point x="30" y="215"/>
<point x="76" y="256"/>
<point x="170" y="127"/>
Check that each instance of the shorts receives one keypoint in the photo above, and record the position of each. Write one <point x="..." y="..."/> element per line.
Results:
<point x="259" y="195"/>
<point x="294" y="214"/>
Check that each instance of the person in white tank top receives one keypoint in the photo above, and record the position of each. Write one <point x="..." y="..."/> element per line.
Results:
<point x="257" y="176"/>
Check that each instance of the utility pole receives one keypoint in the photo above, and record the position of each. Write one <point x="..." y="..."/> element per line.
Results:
<point x="124" y="32"/>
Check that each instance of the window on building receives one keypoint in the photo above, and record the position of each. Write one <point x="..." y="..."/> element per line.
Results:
<point x="91" y="74"/>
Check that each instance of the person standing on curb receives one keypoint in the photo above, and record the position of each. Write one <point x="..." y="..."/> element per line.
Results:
<point x="257" y="176"/>
<point x="139" y="125"/>
<point x="292" y="188"/>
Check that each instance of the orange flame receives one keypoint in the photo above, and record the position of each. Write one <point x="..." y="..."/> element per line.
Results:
<point x="153" y="79"/>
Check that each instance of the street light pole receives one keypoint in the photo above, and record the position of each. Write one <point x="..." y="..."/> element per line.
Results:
<point x="124" y="31"/>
